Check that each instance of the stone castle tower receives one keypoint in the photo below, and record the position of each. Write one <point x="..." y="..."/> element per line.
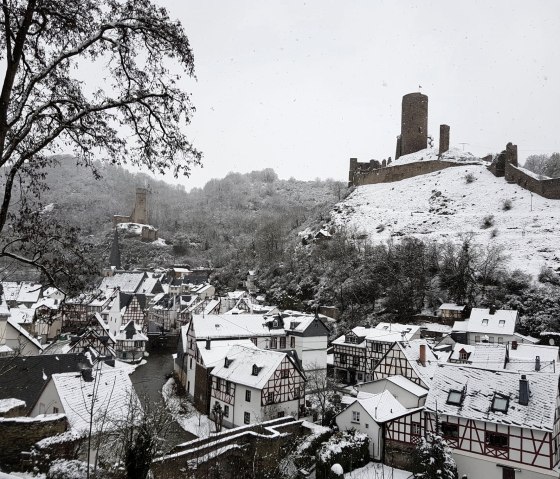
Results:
<point x="414" y="124"/>
<point x="140" y="213"/>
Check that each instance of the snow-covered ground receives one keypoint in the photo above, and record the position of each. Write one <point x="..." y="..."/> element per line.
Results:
<point x="375" y="470"/>
<point x="443" y="206"/>
<point x="185" y="414"/>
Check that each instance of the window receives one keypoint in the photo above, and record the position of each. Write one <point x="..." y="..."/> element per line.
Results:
<point x="254" y="340"/>
<point x="500" y="403"/>
<point x="284" y="373"/>
<point x="463" y="355"/>
<point x="226" y="410"/>
<point x="281" y="413"/>
<point x="246" y="418"/>
<point x="342" y="358"/>
<point x="496" y="439"/>
<point x="501" y="323"/>
<point x="477" y="339"/>
<point x="360" y="377"/>
<point x="484" y="322"/>
<point x="356" y="361"/>
<point x="367" y="425"/>
<point x="137" y="344"/>
<point x="218" y="384"/>
<point x="292" y="342"/>
<point x="350" y="339"/>
<point x="55" y="410"/>
<point x="378" y="347"/>
<point x="191" y="363"/>
<point x="228" y="387"/>
<point x="247" y="396"/>
<point x="283" y="342"/>
<point x="255" y="370"/>
<point x="450" y="430"/>
<point x="491" y="339"/>
<point x="270" y="398"/>
<point x="500" y="340"/>
<point x="355" y="416"/>
<point x="455" y="397"/>
<point x="273" y="343"/>
<point x="416" y="429"/>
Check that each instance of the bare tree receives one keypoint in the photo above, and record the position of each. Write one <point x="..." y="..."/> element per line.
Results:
<point x="321" y="391"/>
<point x="136" y="115"/>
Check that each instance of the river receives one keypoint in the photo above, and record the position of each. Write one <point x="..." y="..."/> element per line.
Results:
<point x="148" y="381"/>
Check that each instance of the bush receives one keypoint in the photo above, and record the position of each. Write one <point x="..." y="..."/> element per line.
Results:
<point x="350" y="449"/>
<point x="487" y="222"/>
<point x="494" y="233"/>
<point x="434" y="459"/>
<point x="470" y="178"/>
<point x="506" y="205"/>
<point x="548" y="275"/>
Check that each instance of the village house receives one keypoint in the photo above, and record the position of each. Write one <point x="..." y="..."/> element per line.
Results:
<point x="253" y="385"/>
<point x="357" y="352"/>
<point x="21" y="293"/>
<point x="130" y="342"/>
<point x="14" y="338"/>
<point x="125" y="282"/>
<point x="407" y="392"/>
<point x="451" y="312"/>
<point x="412" y="359"/>
<point x="499" y="424"/>
<point x="488" y="325"/>
<point x="371" y="413"/>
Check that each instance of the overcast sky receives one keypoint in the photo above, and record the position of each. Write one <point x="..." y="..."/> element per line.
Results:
<point x="302" y="86"/>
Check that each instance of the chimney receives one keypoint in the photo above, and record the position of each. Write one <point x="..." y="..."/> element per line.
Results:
<point x="523" y="390"/>
<point x="492" y="309"/>
<point x="208" y="343"/>
<point x="87" y="374"/>
<point x="537" y="363"/>
<point x="514" y="345"/>
<point x="422" y="358"/>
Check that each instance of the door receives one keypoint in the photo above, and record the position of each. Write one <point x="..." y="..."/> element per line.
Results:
<point x="508" y="473"/>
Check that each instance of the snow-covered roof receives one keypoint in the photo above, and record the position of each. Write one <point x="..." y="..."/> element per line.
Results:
<point x="481" y="321"/>
<point x="148" y="285"/>
<point x="126" y="282"/>
<point x="10" y="290"/>
<point x="220" y="349"/>
<point x="482" y="355"/>
<point x="211" y="305"/>
<point x="114" y="397"/>
<point x="526" y="339"/>
<point x="480" y="386"/>
<point x="435" y="327"/>
<point x="381" y="407"/>
<point x="240" y="368"/>
<point x="411" y="350"/>
<point x="24" y="333"/>
<point x="232" y="326"/>
<point x="408" y="385"/>
<point x="22" y="315"/>
<point x="523" y="358"/>
<point x="383" y="332"/>
<point x="452" y="307"/>
<point x="137" y="333"/>
<point x="29" y="293"/>
<point x="235" y="294"/>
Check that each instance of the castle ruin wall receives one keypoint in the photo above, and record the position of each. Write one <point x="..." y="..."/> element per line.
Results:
<point x="548" y="188"/>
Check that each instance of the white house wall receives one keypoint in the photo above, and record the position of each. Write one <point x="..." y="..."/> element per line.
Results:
<point x="48" y="400"/>
<point x="366" y="425"/>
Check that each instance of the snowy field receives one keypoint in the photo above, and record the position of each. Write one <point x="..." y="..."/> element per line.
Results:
<point x="442" y="206"/>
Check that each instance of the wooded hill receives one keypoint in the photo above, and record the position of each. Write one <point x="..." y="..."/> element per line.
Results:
<point x="206" y="226"/>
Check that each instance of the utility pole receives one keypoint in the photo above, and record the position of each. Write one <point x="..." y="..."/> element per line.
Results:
<point x="463" y="144"/>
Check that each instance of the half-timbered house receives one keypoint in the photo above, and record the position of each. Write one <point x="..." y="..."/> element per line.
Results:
<point x="253" y="385"/>
<point x="357" y="353"/>
<point x="368" y="413"/>
<point x="412" y="359"/>
<point x="500" y="424"/>
<point x="131" y="342"/>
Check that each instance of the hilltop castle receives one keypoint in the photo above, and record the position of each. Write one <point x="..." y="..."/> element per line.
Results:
<point x="139" y="215"/>
<point x="414" y="137"/>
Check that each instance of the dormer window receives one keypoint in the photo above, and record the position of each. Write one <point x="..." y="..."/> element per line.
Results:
<point x="455" y="397"/>
<point x="255" y="370"/>
<point x="227" y="362"/>
<point x="463" y="355"/>
<point x="500" y="403"/>
<point x="502" y="323"/>
<point x="484" y="322"/>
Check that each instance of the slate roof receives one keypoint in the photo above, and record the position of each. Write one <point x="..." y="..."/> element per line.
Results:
<point x="481" y="321"/>
<point x="220" y="349"/>
<point x="383" y="332"/>
<point x="523" y="358"/>
<point x="480" y="387"/>
<point x="126" y="298"/>
<point x="408" y="385"/>
<point x="240" y="368"/>
<point x="134" y="331"/>
<point x="114" y="398"/>
<point x="411" y="350"/>
<point x="126" y="282"/>
<point x="482" y="355"/>
<point x="381" y="407"/>
<point x="24" y="377"/>
<point x="232" y="326"/>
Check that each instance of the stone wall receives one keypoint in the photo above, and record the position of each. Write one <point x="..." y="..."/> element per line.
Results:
<point x="231" y="451"/>
<point x="361" y="176"/>
<point x="546" y="188"/>
<point x="19" y="435"/>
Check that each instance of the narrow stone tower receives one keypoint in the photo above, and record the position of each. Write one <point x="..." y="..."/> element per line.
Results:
<point x="414" y="124"/>
<point x="140" y="213"/>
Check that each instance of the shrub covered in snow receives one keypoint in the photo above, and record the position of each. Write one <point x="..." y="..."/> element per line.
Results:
<point x="350" y="449"/>
<point x="63" y="469"/>
<point x="434" y="459"/>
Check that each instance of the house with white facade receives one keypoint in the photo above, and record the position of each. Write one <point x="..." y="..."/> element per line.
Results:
<point x="494" y="326"/>
<point x="15" y="337"/>
<point x="253" y="385"/>
<point x="499" y="424"/>
<point x="357" y="352"/>
<point x="371" y="413"/>
<point x="130" y="343"/>
<point x="407" y="392"/>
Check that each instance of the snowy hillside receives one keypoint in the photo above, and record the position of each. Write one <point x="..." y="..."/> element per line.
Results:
<point x="443" y="206"/>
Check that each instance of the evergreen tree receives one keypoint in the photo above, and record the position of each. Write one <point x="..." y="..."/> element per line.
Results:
<point x="434" y="459"/>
